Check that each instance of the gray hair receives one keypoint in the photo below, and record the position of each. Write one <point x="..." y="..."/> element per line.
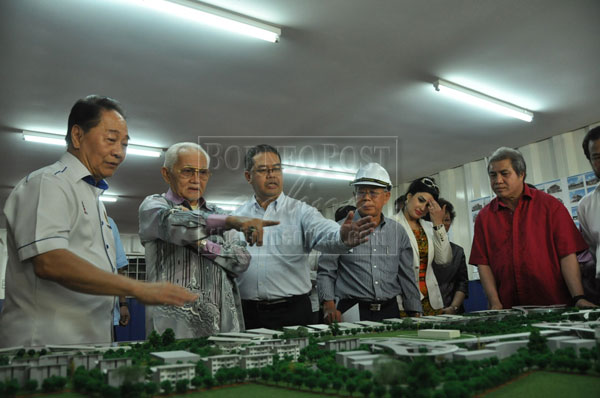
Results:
<point x="172" y="154"/>
<point x="516" y="159"/>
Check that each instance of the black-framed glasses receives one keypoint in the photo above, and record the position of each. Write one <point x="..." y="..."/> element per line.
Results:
<point x="263" y="171"/>
<point x="189" y="172"/>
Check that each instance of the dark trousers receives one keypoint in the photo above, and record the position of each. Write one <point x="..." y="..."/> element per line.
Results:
<point x="275" y="314"/>
<point x="375" y="311"/>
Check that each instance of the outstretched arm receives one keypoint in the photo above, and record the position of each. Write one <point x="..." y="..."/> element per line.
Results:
<point x="71" y="271"/>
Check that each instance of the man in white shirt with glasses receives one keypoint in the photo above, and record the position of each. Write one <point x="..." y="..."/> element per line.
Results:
<point x="275" y="288"/>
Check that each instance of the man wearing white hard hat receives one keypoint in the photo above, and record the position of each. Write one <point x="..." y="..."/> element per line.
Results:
<point x="375" y="272"/>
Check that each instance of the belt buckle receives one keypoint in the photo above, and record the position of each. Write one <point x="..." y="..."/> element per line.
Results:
<point x="375" y="307"/>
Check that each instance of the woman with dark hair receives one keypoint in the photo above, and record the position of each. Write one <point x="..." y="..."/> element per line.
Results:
<point x="429" y="240"/>
<point x="452" y="277"/>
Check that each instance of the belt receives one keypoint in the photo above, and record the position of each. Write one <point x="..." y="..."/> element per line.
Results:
<point x="374" y="306"/>
<point x="267" y="305"/>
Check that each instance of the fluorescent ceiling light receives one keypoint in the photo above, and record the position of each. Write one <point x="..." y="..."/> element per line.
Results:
<point x="481" y="100"/>
<point x="44" y="138"/>
<point x="109" y="198"/>
<point x="318" y="172"/>
<point x="59" y="139"/>
<point x="229" y="206"/>
<point x="216" y="17"/>
<point x="141" y="150"/>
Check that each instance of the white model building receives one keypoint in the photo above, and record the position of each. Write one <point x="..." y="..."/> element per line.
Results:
<point x="291" y="350"/>
<point x="41" y="372"/>
<point x="172" y="357"/>
<point x="256" y="361"/>
<point x="216" y="362"/>
<point x="440" y="334"/>
<point x="113" y="363"/>
<point x="173" y="373"/>
<point x="341" y="344"/>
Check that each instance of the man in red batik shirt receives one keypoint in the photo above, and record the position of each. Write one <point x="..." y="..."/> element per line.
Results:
<point x="525" y="242"/>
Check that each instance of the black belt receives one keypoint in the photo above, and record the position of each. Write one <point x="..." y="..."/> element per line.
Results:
<point x="269" y="305"/>
<point x="374" y="306"/>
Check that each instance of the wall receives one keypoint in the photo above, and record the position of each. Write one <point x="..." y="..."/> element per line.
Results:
<point x="555" y="157"/>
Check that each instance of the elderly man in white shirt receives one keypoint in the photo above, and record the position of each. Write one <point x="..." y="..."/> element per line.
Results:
<point x="61" y="281"/>
<point x="588" y="215"/>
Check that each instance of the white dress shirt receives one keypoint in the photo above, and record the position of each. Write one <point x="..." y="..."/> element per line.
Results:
<point x="588" y="215"/>
<point x="280" y="267"/>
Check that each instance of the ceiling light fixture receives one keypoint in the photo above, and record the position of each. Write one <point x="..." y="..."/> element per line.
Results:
<point x="44" y="138"/>
<point x="108" y="198"/>
<point x="318" y="172"/>
<point x="482" y="100"/>
<point x="59" y="139"/>
<point x="217" y="17"/>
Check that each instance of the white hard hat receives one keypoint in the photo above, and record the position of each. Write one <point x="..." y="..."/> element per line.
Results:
<point x="372" y="174"/>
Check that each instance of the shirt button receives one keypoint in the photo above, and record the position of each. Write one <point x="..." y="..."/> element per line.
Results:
<point x="374" y="266"/>
<point x="374" y="250"/>
<point x="377" y="283"/>
<point x="107" y="246"/>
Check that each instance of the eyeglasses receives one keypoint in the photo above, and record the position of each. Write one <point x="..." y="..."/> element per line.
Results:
<point x="263" y="171"/>
<point x="429" y="182"/>
<point x="372" y="194"/>
<point x="189" y="172"/>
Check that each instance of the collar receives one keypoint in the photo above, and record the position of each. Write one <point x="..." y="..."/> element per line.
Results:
<point x="528" y="193"/>
<point x="92" y="181"/>
<point x="275" y="203"/>
<point x="77" y="171"/>
<point x="178" y="200"/>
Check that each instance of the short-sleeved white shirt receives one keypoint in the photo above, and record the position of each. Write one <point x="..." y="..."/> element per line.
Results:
<point x="588" y="215"/>
<point x="53" y="208"/>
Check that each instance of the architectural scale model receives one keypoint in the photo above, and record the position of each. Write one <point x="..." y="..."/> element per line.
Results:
<point x="372" y="355"/>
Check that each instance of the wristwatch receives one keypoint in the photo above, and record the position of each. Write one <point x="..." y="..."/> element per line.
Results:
<point x="124" y="304"/>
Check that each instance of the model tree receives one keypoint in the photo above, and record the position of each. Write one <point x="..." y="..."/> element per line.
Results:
<point x="31" y="385"/>
<point x="365" y="388"/>
<point x="351" y="386"/>
<point x="537" y="342"/>
<point x="181" y="386"/>
<point x="166" y="386"/>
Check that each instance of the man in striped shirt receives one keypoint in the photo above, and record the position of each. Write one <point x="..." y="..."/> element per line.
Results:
<point x="375" y="272"/>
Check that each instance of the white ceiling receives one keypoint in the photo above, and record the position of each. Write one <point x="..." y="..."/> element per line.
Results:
<point x="348" y="70"/>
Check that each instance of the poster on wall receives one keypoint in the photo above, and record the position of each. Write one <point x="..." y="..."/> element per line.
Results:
<point x="578" y="186"/>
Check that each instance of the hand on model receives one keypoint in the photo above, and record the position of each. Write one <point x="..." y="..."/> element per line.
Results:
<point x="355" y="233"/>
<point x="449" y="310"/>
<point x="251" y="227"/>
<point x="330" y="313"/>
<point x="163" y="293"/>
<point x="436" y="213"/>
<point x="583" y="303"/>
